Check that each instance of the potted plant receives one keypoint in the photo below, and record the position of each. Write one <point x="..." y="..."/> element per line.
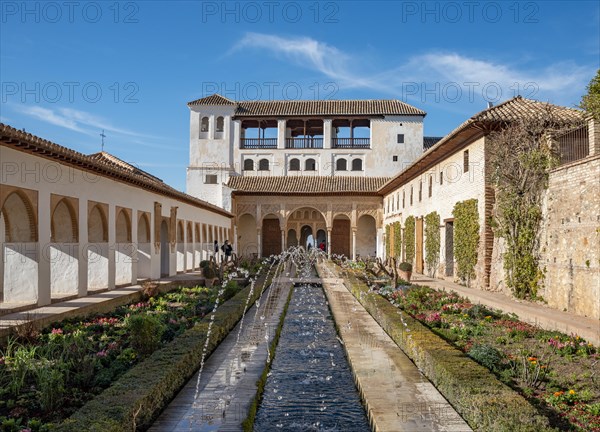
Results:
<point x="405" y="271"/>
<point x="209" y="275"/>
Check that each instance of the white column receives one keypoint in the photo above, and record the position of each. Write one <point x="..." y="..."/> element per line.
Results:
<point x="134" y="246"/>
<point x="327" y="133"/>
<point x="281" y="133"/>
<point x="283" y="240"/>
<point x="328" y="242"/>
<point x="112" y="237"/>
<point x="44" y="234"/>
<point x="259" y="242"/>
<point x="353" y="244"/>
<point x="82" y="290"/>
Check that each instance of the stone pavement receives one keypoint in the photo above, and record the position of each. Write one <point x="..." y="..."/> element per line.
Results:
<point x="228" y="380"/>
<point x="94" y="303"/>
<point x="397" y="396"/>
<point x="532" y="313"/>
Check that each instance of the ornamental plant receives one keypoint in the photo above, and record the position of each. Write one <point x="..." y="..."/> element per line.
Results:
<point x="432" y="242"/>
<point x="466" y="238"/>
<point x="409" y="239"/>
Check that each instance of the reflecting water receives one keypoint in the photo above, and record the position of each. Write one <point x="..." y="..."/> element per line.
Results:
<point x="310" y="386"/>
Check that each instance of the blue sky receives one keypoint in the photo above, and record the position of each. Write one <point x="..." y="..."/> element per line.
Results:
<point x="69" y="70"/>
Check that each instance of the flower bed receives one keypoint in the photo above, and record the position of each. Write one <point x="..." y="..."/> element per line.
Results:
<point x="558" y="373"/>
<point x="47" y="376"/>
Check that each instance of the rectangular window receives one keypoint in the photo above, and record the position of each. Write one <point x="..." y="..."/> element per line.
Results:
<point x="411" y="195"/>
<point x="466" y="161"/>
<point x="400" y="138"/>
<point x="430" y="185"/>
<point x="395" y="158"/>
<point x="420" y="191"/>
<point x="210" y="179"/>
<point x="441" y="177"/>
<point x="403" y="199"/>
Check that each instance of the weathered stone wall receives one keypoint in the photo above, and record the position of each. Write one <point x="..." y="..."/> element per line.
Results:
<point x="570" y="239"/>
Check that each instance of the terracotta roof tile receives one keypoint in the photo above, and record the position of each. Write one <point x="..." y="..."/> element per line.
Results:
<point x="309" y="185"/>
<point x="215" y="99"/>
<point x="282" y="108"/>
<point x="103" y="164"/>
<point x="429" y="142"/>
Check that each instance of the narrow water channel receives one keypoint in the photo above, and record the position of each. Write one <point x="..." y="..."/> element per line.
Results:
<point x="310" y="385"/>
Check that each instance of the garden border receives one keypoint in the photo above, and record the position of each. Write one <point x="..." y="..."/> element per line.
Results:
<point x="479" y="397"/>
<point x="136" y="399"/>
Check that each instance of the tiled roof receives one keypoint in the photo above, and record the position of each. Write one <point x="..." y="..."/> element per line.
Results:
<point x="282" y="108"/>
<point x="511" y="110"/>
<point x="429" y="142"/>
<point x="308" y="185"/>
<point x="102" y="164"/>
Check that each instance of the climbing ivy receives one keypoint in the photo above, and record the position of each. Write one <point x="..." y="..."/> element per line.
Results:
<point x="432" y="242"/>
<point x="466" y="238"/>
<point x="388" y="240"/>
<point x="409" y="239"/>
<point x="397" y="240"/>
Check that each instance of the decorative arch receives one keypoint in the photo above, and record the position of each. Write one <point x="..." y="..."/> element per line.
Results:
<point x="180" y="232"/>
<point x="310" y="165"/>
<point x="20" y="223"/>
<point x="204" y="124"/>
<point x="123" y="227"/>
<point x="97" y="225"/>
<point x="341" y="165"/>
<point x="295" y="164"/>
<point x="366" y="236"/>
<point x="248" y="164"/>
<point x="302" y="207"/>
<point x="143" y="228"/>
<point x="220" y="124"/>
<point x="63" y="223"/>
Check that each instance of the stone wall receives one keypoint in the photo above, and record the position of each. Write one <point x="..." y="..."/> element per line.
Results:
<point x="571" y="238"/>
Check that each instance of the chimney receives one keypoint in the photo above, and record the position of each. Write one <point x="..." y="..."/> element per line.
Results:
<point x="490" y="104"/>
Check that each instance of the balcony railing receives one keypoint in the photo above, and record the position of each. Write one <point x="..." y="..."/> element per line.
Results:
<point x="351" y="142"/>
<point x="258" y="143"/>
<point x="574" y="145"/>
<point x="304" y="143"/>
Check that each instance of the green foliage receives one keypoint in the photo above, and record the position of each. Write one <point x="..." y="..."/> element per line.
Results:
<point x="466" y="238"/>
<point x="208" y="272"/>
<point x="487" y="355"/>
<point x="591" y="101"/>
<point x="145" y="333"/>
<point x="409" y="239"/>
<point x="404" y="266"/>
<point x="397" y="240"/>
<point x="388" y="240"/>
<point x="432" y="242"/>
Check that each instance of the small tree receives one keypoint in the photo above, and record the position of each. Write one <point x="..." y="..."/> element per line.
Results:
<point x="591" y="101"/>
<point x="397" y="240"/>
<point x="466" y="238"/>
<point x="432" y="242"/>
<point x="409" y="239"/>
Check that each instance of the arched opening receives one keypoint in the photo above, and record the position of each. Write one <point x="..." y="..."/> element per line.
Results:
<point x="322" y="239"/>
<point x="310" y="165"/>
<point x="180" y="247"/>
<point x="189" y="254"/>
<point x="294" y="164"/>
<point x="220" y="124"/>
<point x="292" y="240"/>
<point x="204" y="125"/>
<point x="366" y="236"/>
<point x="263" y="165"/>
<point x="341" y="165"/>
<point x="97" y="249"/>
<point x="64" y="252"/>
<point x="340" y="236"/>
<point x="247" y="239"/>
<point x="307" y="240"/>
<point x="19" y="250"/>
<point x="123" y="249"/>
<point x="205" y="242"/>
<point x="357" y="165"/>
<point x="123" y="229"/>
<point x="248" y="164"/>
<point x="164" y="249"/>
<point x="197" y="246"/>
<point x="143" y="247"/>
<point x="271" y="235"/>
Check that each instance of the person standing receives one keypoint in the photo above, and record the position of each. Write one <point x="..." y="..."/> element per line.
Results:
<point x="216" y="249"/>
<point x="227" y="249"/>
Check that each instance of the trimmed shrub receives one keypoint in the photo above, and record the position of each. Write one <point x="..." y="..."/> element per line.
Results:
<point x="145" y="333"/>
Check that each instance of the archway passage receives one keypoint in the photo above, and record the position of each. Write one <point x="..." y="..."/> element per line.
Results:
<point x="123" y="250"/>
<point x="144" y="247"/>
<point x="271" y="236"/>
<point x="340" y="237"/>
<point x="366" y="236"/>
<point x="292" y="240"/>
<point x="164" y="249"/>
<point x="303" y="224"/>
<point x="98" y="248"/>
<point x="64" y="251"/>
<point x="307" y="239"/>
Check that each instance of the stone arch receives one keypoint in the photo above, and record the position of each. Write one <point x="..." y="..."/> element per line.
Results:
<point x="123" y="227"/>
<point x="307" y="237"/>
<point x="143" y="229"/>
<point x="366" y="236"/>
<point x="97" y="225"/>
<point x="302" y="207"/>
<point x="189" y="250"/>
<point x="164" y="249"/>
<point x="180" y="246"/>
<point x="292" y="238"/>
<point x="63" y="223"/>
<point x="20" y="225"/>
<point x="220" y="126"/>
<point x="180" y="232"/>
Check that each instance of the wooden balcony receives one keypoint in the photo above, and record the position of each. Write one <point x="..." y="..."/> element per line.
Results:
<point x="351" y="143"/>
<point x="258" y="143"/>
<point x="304" y="143"/>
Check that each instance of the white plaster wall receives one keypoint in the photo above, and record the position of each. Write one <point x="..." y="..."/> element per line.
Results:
<point x="64" y="268"/>
<point x="97" y="266"/>
<point x="180" y="257"/>
<point x="247" y="237"/>
<point x="366" y="237"/>
<point x="457" y="186"/>
<point x="144" y="256"/>
<point x="21" y="272"/>
<point x="123" y="263"/>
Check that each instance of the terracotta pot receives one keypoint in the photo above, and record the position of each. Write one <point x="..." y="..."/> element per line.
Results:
<point x="405" y="275"/>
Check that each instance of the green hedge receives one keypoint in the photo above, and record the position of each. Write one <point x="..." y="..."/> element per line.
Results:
<point x="134" y="401"/>
<point x="409" y="239"/>
<point x="479" y="397"/>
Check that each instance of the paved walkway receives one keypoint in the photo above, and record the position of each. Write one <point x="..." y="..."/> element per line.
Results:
<point x="228" y="380"/>
<point x="397" y="396"/>
<point x="94" y="303"/>
<point x="533" y="313"/>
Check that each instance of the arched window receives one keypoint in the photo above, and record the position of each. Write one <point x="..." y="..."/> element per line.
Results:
<point x="204" y="124"/>
<point x="248" y="165"/>
<point x="220" y="124"/>
<point x="357" y="165"/>
<point x="310" y="165"/>
<point x="341" y="165"/>
<point x="263" y="165"/>
<point x="294" y="165"/>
